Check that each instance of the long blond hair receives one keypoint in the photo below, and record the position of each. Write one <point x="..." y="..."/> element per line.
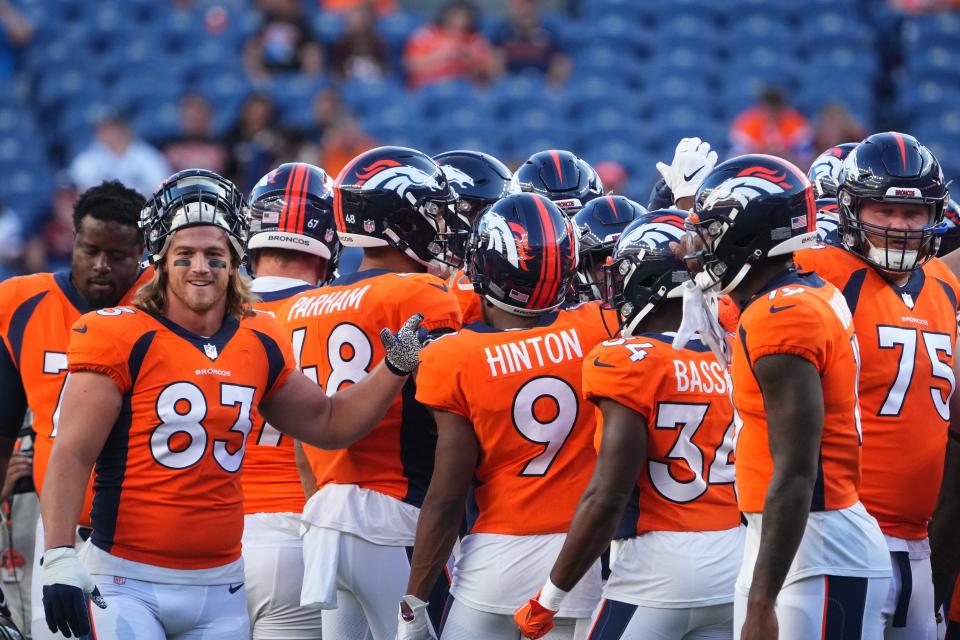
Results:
<point x="152" y="296"/>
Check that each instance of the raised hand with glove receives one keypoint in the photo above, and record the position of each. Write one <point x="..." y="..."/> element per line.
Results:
<point x="403" y="347"/>
<point x="413" y="621"/>
<point x="66" y="587"/>
<point x="692" y="161"/>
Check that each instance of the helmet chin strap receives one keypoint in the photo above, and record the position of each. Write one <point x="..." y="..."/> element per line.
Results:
<point x="744" y="270"/>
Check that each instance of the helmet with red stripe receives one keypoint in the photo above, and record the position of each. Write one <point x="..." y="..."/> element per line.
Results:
<point x="292" y="208"/>
<point x="644" y="270"/>
<point x="748" y="209"/>
<point x="600" y="223"/>
<point x="561" y="176"/>
<point x="522" y="255"/>
<point x="399" y="197"/>
<point x="895" y="169"/>
<point x="825" y="169"/>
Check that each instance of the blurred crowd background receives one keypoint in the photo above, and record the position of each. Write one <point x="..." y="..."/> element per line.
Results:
<point x="137" y="89"/>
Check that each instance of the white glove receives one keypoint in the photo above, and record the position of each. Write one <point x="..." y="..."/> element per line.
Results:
<point x="692" y="161"/>
<point x="66" y="586"/>
<point x="700" y="319"/>
<point x="416" y="626"/>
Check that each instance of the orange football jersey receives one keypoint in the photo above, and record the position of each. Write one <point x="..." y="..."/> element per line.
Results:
<point x="36" y="313"/>
<point x="271" y="483"/>
<point x="467" y="296"/>
<point x="336" y="335"/>
<point x="687" y="481"/>
<point x="906" y="335"/>
<point x="800" y="315"/>
<point x="521" y="391"/>
<point x="167" y="488"/>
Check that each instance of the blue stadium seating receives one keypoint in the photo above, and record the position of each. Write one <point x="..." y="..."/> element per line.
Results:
<point x="644" y="74"/>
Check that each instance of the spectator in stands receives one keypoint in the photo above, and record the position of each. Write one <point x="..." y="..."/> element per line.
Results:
<point x="835" y="126"/>
<point x="16" y="32"/>
<point x="382" y="7"/>
<point x="924" y="6"/>
<point x="116" y="154"/>
<point x="252" y="142"/>
<point x="52" y="249"/>
<point x="774" y="127"/>
<point x="11" y="242"/>
<point x="360" y="53"/>
<point x="196" y="146"/>
<point x="449" y="49"/>
<point x="343" y="140"/>
<point x="613" y="175"/>
<point x="524" y="43"/>
<point x="327" y="108"/>
<point x="283" y="43"/>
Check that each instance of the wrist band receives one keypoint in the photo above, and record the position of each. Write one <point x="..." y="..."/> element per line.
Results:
<point x="395" y="370"/>
<point x="551" y="596"/>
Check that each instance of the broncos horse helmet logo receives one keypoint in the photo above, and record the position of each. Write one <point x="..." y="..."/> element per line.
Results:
<point x="393" y="176"/>
<point x="509" y="239"/>
<point x="456" y="177"/>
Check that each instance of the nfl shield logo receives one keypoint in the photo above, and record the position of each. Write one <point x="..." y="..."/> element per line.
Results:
<point x="369" y="226"/>
<point x="328" y="236"/>
<point x="210" y="350"/>
<point x="119" y="580"/>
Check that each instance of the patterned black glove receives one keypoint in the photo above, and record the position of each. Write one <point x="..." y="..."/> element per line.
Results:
<point x="403" y="347"/>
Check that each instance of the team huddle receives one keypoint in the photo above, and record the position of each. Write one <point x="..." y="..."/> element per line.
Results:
<point x="536" y="410"/>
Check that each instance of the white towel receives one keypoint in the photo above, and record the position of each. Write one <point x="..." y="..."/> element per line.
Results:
<point x="321" y="558"/>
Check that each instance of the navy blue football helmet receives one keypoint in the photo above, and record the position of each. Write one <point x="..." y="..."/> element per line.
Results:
<point x="644" y="270"/>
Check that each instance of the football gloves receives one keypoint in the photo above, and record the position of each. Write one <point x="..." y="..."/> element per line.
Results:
<point x="413" y="622"/>
<point x="692" y="161"/>
<point x="66" y="586"/>
<point x="534" y="619"/>
<point x="403" y="347"/>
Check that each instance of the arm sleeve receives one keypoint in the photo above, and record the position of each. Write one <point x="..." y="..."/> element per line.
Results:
<point x="661" y="197"/>
<point x="609" y="373"/>
<point x="96" y="349"/>
<point x="279" y="353"/>
<point x="13" y="397"/>
<point x="438" y="378"/>
<point x="794" y="328"/>
<point x="431" y="297"/>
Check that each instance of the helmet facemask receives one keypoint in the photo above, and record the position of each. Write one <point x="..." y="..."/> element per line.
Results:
<point x="440" y="252"/>
<point x="889" y="249"/>
<point x="195" y="198"/>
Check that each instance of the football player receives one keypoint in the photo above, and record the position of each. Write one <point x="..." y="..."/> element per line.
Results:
<point x="663" y="483"/>
<point x="561" y="176"/>
<point x="36" y="312"/>
<point x="160" y="396"/>
<point x="600" y="223"/>
<point x="479" y="180"/>
<point x="825" y="170"/>
<point x="397" y="204"/>
<point x="292" y="246"/>
<point x="506" y="396"/>
<point x="904" y="304"/>
<point x="815" y="563"/>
